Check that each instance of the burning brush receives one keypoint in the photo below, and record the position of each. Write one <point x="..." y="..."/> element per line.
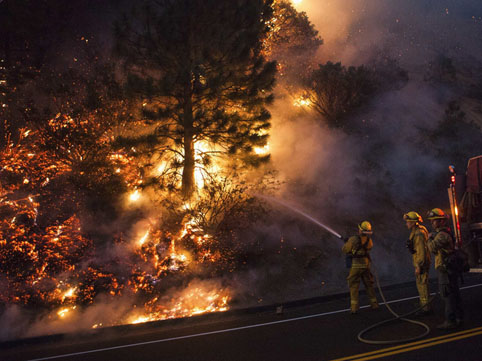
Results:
<point x="49" y="262"/>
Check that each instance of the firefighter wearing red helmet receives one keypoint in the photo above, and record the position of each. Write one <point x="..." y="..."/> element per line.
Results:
<point x="441" y="243"/>
<point x="418" y="247"/>
<point x="358" y="247"/>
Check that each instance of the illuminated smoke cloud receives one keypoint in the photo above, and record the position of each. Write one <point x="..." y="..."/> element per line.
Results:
<point x="342" y="179"/>
<point x="411" y="31"/>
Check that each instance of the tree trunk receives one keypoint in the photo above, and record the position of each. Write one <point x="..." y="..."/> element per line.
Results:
<point x="188" y="182"/>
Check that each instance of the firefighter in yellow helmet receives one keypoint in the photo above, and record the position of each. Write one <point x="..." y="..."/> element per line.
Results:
<point x="358" y="247"/>
<point x="418" y="247"/>
<point x="441" y="243"/>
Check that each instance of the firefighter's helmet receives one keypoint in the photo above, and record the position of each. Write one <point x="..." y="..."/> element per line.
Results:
<point x="365" y="227"/>
<point x="413" y="217"/>
<point x="436" y="213"/>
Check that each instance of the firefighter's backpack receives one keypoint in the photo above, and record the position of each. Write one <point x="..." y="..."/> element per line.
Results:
<point x="457" y="261"/>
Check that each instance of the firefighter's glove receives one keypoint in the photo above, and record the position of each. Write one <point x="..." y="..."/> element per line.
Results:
<point x="410" y="247"/>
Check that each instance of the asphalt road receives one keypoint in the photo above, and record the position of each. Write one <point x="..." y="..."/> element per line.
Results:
<point x="320" y="329"/>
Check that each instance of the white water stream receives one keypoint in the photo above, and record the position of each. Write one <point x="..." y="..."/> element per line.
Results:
<point x="293" y="208"/>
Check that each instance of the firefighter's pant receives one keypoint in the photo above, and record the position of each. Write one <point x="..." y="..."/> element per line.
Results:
<point x="450" y="293"/>
<point x="364" y="274"/>
<point x="422" y="286"/>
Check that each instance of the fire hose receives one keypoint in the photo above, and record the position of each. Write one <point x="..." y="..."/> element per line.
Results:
<point x="396" y="318"/>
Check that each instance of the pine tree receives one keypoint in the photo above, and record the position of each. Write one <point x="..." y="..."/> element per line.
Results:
<point x="198" y="69"/>
<point x="292" y="41"/>
<point x="336" y="91"/>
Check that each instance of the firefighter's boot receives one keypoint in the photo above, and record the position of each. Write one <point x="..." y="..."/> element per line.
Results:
<point x="354" y="307"/>
<point x="447" y="325"/>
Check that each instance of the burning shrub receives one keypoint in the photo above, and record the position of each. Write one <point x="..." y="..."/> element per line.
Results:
<point x="33" y="260"/>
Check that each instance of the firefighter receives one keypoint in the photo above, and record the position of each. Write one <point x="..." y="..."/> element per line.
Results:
<point x="358" y="248"/>
<point x="417" y="245"/>
<point x="442" y="244"/>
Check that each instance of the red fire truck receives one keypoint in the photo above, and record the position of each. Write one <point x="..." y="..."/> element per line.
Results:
<point x="465" y="195"/>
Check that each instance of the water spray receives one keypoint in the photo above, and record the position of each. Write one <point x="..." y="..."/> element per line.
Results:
<point x="293" y="208"/>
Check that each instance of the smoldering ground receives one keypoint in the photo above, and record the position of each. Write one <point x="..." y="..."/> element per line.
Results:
<point x="105" y="312"/>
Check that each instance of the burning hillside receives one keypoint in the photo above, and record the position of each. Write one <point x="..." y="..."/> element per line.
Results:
<point x="55" y="266"/>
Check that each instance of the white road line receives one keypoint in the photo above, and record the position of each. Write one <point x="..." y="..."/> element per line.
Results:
<point x="222" y="331"/>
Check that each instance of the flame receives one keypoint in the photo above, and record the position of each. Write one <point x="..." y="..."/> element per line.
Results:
<point x="143" y="238"/>
<point x="199" y="149"/>
<point x="302" y="101"/>
<point x="202" y="168"/>
<point x="135" y="196"/>
<point x="193" y="301"/>
<point x="65" y="311"/>
<point x="178" y="260"/>
<point x="262" y="150"/>
<point x="69" y="293"/>
<point x="141" y="319"/>
<point x="162" y="167"/>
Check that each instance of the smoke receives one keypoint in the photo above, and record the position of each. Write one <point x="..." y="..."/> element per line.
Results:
<point x="411" y="31"/>
<point x="13" y="321"/>
<point x="390" y="167"/>
<point x="357" y="32"/>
